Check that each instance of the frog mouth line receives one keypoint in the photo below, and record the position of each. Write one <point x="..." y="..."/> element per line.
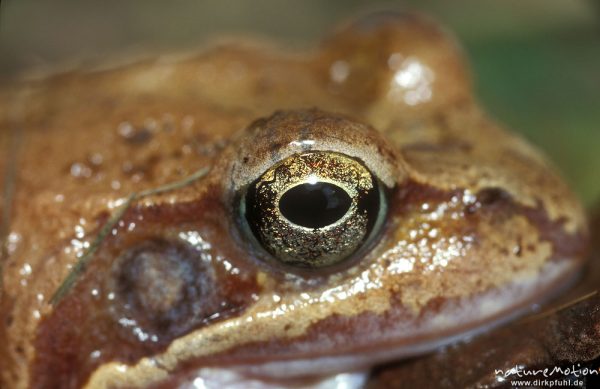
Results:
<point x="447" y="325"/>
<point x="216" y="378"/>
<point x="494" y="311"/>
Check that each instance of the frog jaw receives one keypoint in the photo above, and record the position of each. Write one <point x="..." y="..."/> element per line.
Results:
<point x="454" y="321"/>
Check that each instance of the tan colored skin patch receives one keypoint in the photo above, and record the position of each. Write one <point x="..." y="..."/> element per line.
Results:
<point x="479" y="223"/>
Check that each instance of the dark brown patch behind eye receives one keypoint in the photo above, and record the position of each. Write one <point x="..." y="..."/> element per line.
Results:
<point x="85" y="329"/>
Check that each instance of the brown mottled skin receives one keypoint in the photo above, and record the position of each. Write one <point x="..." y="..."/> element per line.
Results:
<point x="479" y="224"/>
<point x="565" y="334"/>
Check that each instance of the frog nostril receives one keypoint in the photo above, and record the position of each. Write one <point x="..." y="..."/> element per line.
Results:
<point x="314" y="205"/>
<point x="163" y="289"/>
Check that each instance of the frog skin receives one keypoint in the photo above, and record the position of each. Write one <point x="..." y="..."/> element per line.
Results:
<point x="473" y="224"/>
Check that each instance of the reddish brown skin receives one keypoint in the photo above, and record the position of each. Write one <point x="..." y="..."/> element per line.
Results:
<point x="64" y="351"/>
<point x="564" y="334"/>
<point x="154" y="123"/>
<point x="496" y="206"/>
<point x="64" y="348"/>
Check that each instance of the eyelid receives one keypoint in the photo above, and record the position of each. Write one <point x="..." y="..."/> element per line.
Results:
<point x="268" y="141"/>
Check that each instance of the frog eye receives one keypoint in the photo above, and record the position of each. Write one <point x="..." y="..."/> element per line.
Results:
<point x="314" y="209"/>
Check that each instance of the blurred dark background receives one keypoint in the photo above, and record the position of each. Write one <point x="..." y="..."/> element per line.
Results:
<point x="536" y="63"/>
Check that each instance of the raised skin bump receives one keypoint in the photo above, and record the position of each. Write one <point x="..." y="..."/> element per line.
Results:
<point x="479" y="224"/>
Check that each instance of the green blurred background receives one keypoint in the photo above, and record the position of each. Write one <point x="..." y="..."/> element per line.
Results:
<point x="536" y="62"/>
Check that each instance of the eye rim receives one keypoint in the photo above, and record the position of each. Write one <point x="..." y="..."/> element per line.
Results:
<point x="369" y="241"/>
<point x="268" y="140"/>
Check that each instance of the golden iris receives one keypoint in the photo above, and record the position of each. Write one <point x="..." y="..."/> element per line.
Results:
<point x="314" y="209"/>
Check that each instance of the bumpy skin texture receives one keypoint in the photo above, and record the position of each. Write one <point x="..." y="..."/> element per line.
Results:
<point x="565" y="334"/>
<point x="479" y="224"/>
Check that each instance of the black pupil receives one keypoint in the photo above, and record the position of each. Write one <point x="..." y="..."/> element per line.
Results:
<point x="314" y="205"/>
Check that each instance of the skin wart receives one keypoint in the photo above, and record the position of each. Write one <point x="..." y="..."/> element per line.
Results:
<point x="478" y="226"/>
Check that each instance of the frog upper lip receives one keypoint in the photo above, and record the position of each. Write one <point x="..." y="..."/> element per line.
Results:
<point x="555" y="277"/>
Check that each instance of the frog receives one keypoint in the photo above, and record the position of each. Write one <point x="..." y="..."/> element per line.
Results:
<point x="355" y="205"/>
